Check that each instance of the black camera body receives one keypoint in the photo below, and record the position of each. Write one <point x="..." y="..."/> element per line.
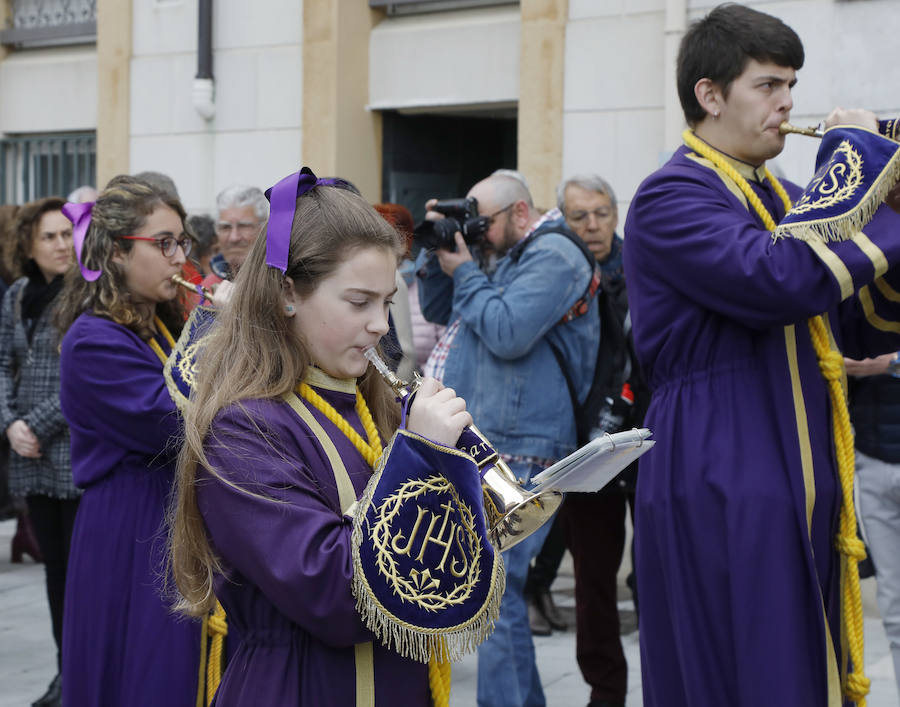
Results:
<point x="460" y="215"/>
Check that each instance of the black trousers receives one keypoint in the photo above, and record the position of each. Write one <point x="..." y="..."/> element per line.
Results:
<point x="53" y="520"/>
<point x="594" y="528"/>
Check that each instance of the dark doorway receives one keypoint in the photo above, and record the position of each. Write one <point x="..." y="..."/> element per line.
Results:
<point x="441" y="156"/>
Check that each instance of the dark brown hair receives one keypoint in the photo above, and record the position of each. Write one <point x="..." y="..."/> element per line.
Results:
<point x="718" y="47"/>
<point x="21" y="236"/>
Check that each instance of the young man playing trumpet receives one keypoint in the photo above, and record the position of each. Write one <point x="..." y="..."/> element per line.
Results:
<point x="743" y="293"/>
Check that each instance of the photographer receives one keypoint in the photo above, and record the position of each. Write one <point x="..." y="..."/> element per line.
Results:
<point x="505" y="331"/>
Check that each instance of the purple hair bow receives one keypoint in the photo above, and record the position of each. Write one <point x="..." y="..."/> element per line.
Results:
<point x="282" y="202"/>
<point x="80" y="216"/>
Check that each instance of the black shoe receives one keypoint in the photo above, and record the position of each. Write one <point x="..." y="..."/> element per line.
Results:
<point x="545" y="604"/>
<point x="53" y="696"/>
<point x="537" y="621"/>
<point x="606" y="703"/>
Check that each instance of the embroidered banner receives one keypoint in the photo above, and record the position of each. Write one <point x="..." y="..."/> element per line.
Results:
<point x="855" y="169"/>
<point x="427" y="580"/>
<point x="180" y="370"/>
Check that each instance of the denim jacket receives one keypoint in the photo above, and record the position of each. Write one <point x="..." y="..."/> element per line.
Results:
<point x="500" y="360"/>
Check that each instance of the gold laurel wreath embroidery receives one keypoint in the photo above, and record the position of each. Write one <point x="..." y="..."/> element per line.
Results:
<point x="386" y="564"/>
<point x="187" y="364"/>
<point x="854" y="163"/>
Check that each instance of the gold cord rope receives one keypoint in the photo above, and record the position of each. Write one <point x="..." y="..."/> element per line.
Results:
<point x="371" y="451"/>
<point x="154" y="344"/>
<point x="831" y="363"/>
<point x="439" y="681"/>
<point x="217" y="628"/>
<point x="438" y="671"/>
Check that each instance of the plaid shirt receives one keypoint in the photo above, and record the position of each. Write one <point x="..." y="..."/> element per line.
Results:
<point x="29" y="391"/>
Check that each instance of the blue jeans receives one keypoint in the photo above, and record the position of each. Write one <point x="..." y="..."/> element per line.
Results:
<point x="879" y="508"/>
<point x="507" y="672"/>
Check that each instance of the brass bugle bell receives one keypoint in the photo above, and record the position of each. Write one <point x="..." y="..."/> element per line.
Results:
<point x="512" y="512"/>
<point x="787" y="129"/>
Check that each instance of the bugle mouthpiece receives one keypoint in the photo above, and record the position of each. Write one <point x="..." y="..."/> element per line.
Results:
<point x="786" y="128"/>
<point x="196" y="289"/>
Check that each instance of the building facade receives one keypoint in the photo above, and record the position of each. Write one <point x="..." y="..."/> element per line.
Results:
<point x="406" y="99"/>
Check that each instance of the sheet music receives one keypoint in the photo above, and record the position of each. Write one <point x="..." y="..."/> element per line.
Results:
<point x="595" y="464"/>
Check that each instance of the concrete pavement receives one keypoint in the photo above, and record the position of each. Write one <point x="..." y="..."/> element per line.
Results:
<point x="27" y="653"/>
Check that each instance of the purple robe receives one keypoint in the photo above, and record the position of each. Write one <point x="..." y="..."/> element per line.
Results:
<point x="122" y="645"/>
<point x="287" y="561"/>
<point x="737" y="503"/>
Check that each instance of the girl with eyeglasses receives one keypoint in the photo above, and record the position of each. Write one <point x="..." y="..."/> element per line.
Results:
<point x="120" y="315"/>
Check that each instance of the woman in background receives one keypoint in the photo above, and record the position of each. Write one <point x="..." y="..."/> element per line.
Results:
<point x="39" y="249"/>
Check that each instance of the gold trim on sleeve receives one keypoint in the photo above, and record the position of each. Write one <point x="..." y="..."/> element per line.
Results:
<point x="865" y="299"/>
<point x="873" y="252"/>
<point x="835" y="265"/>
<point x="885" y="289"/>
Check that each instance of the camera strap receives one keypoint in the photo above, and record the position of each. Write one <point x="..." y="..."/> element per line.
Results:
<point x="582" y="304"/>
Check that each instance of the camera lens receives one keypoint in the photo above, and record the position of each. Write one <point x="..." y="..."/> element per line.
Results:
<point x="444" y="231"/>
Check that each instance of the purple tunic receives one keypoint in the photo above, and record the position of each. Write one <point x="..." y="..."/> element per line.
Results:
<point x="288" y="562"/>
<point x="122" y="645"/>
<point x="737" y="504"/>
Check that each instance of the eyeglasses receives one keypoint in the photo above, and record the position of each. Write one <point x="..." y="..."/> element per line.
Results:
<point x="493" y="216"/>
<point x="167" y="244"/>
<point x="600" y="214"/>
<point x="243" y="228"/>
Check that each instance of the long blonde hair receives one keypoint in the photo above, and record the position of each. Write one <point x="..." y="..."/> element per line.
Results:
<point x="253" y="352"/>
<point x="121" y="209"/>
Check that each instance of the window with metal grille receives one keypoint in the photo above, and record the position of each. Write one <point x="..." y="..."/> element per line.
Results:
<point x="35" y="166"/>
<point x="38" y="23"/>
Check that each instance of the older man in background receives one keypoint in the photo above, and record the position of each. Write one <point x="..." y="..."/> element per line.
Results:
<point x="241" y="211"/>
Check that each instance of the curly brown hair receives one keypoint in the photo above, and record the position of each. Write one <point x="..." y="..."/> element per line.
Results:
<point x="17" y="246"/>
<point x="121" y="209"/>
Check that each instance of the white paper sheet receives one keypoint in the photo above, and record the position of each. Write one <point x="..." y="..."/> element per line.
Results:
<point x="595" y="464"/>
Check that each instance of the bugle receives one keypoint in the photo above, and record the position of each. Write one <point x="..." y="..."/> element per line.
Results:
<point x="787" y="129"/>
<point x="888" y="128"/>
<point x="196" y="289"/>
<point x="512" y="512"/>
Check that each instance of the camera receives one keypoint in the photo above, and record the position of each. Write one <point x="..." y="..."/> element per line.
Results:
<point x="460" y="215"/>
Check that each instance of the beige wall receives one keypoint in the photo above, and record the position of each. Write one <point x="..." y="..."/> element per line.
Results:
<point x="5" y="12"/>
<point x="541" y="80"/>
<point x="113" y="88"/>
<point x="340" y="137"/>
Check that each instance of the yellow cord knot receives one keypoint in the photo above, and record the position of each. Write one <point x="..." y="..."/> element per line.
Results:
<point x="851" y="546"/>
<point x="857" y="688"/>
<point x="832" y="365"/>
<point x="217" y="625"/>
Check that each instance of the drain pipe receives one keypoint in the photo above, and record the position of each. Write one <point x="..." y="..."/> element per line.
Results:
<point x="204" y="91"/>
